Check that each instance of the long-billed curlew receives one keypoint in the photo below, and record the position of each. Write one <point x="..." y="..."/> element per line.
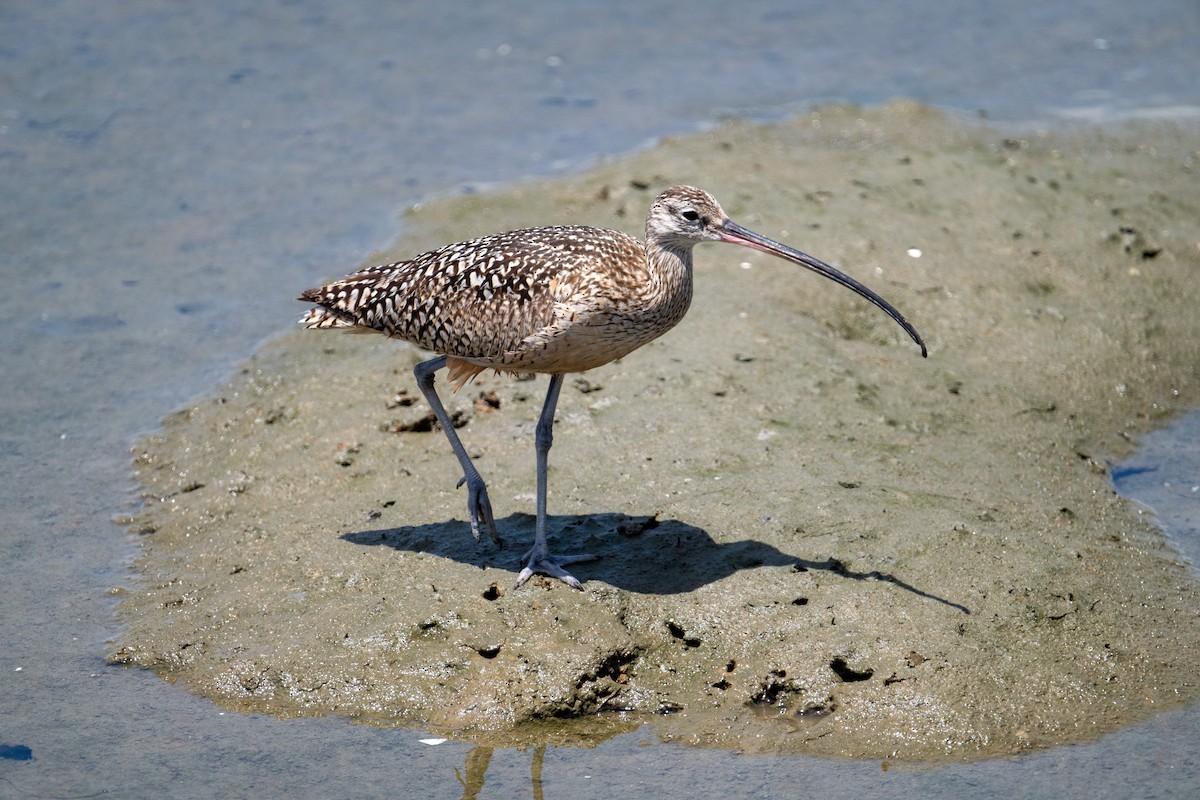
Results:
<point x="553" y="300"/>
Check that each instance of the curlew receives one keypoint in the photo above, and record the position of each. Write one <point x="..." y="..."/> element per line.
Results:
<point x="552" y="300"/>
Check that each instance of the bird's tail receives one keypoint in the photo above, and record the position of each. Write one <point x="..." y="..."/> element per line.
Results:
<point x="320" y="318"/>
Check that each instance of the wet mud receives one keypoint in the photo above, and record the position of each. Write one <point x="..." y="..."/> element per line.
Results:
<point x="810" y="539"/>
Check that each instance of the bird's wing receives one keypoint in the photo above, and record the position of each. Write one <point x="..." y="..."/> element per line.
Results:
<point x="481" y="299"/>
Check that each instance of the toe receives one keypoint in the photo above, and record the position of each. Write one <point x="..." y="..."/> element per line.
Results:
<point x="550" y="570"/>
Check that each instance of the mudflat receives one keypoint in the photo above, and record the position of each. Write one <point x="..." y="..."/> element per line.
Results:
<point x="810" y="539"/>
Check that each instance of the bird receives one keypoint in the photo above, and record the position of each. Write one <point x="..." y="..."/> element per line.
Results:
<point x="551" y="300"/>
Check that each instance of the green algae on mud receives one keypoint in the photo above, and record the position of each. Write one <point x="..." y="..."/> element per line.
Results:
<point x="811" y="539"/>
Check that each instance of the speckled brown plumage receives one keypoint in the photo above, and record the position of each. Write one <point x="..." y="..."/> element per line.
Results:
<point x="551" y="300"/>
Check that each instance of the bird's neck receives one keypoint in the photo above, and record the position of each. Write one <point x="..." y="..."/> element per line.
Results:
<point x="669" y="267"/>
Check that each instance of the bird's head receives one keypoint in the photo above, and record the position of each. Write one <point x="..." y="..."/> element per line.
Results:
<point x="682" y="216"/>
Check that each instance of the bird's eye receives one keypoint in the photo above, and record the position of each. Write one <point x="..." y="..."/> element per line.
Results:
<point x="691" y="215"/>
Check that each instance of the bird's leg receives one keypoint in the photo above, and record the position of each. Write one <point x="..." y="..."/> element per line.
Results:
<point x="537" y="560"/>
<point x="478" y="504"/>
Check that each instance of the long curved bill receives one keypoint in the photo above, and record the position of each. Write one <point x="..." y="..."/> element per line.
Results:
<point x="730" y="231"/>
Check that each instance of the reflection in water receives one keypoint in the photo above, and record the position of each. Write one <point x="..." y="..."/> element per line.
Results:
<point x="475" y="769"/>
<point x="583" y="733"/>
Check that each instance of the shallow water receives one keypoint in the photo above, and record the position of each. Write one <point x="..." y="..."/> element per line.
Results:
<point x="1164" y="476"/>
<point x="174" y="174"/>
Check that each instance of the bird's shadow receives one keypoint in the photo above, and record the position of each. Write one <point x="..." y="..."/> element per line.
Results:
<point x="638" y="554"/>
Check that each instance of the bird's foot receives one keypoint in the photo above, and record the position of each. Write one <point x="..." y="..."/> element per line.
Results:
<point x="540" y="564"/>
<point x="479" y="507"/>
